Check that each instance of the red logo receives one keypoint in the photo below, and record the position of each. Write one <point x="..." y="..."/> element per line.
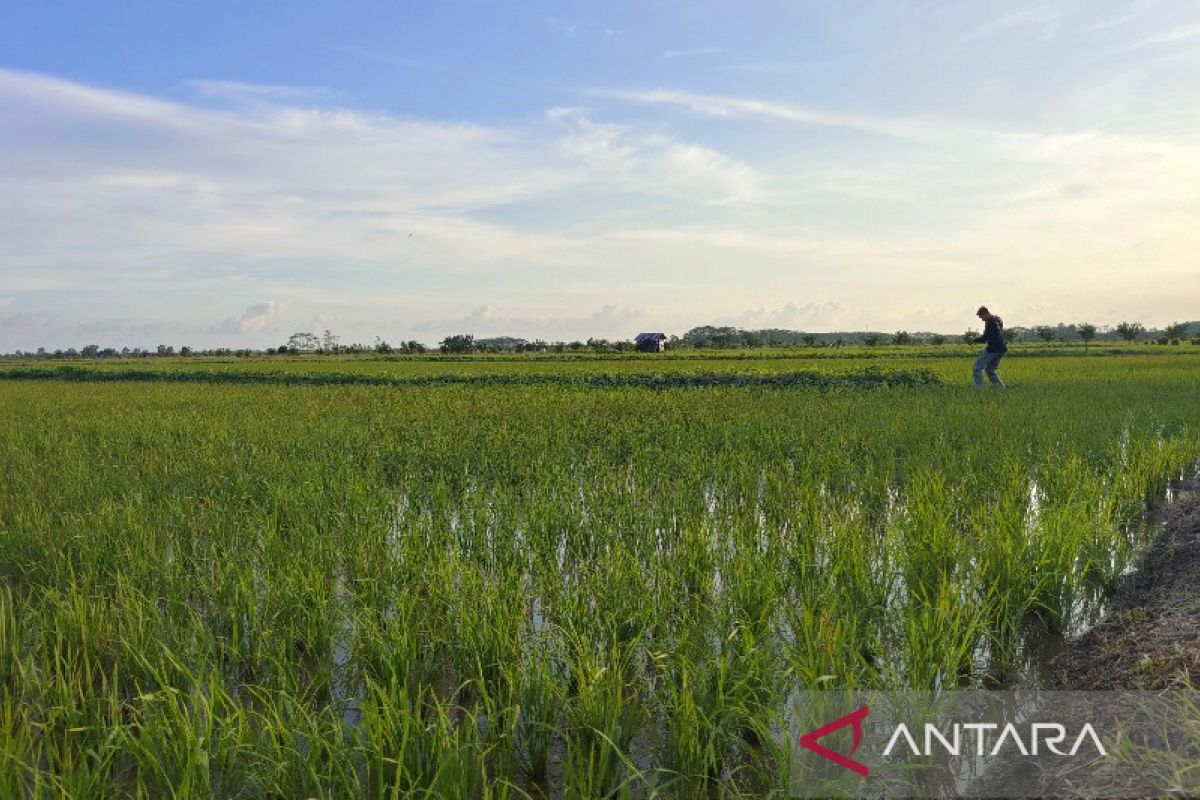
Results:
<point x="855" y="718"/>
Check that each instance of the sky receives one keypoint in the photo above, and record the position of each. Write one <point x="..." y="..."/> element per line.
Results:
<point x="224" y="174"/>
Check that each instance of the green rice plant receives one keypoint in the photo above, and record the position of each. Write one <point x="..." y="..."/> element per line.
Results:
<point x="429" y="749"/>
<point x="10" y="640"/>
<point x="396" y="651"/>
<point x="541" y="707"/>
<point x="941" y="634"/>
<point x="602" y="712"/>
<point x="823" y="646"/>
<point x="749" y="653"/>
<point x="692" y="738"/>
<point x="489" y="622"/>
<point x="716" y="728"/>
<point x="18" y="749"/>
<point x="300" y="749"/>
<point x="192" y="740"/>
<point x="1000" y="532"/>
<point x="927" y="543"/>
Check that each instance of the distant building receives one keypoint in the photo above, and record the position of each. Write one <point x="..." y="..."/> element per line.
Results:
<point x="651" y="342"/>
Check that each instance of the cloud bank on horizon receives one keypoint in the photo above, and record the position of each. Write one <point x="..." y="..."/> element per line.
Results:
<point x="589" y="171"/>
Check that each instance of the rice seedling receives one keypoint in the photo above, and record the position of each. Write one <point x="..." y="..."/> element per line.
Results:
<point x="575" y="578"/>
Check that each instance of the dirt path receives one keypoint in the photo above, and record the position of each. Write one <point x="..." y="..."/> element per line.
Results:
<point x="1150" y="637"/>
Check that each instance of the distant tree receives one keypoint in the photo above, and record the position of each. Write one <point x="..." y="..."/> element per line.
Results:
<point x="185" y="351"/>
<point x="1045" y="332"/>
<point x="90" y="351"/>
<point x="902" y="337"/>
<point x="303" y="342"/>
<point x="165" y="350"/>
<point x="753" y="340"/>
<point x="810" y="340"/>
<point x="381" y="346"/>
<point x="969" y="336"/>
<point x="1010" y="334"/>
<point x="871" y="340"/>
<point x="937" y="339"/>
<point x="459" y="343"/>
<point x="1087" y="332"/>
<point x="1129" y="331"/>
<point x="329" y="342"/>
<point x="1175" y="331"/>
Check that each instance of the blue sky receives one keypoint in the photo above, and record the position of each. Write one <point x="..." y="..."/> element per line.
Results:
<point x="224" y="174"/>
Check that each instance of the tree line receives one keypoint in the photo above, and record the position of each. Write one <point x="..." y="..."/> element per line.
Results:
<point x="701" y="337"/>
<point x="709" y="336"/>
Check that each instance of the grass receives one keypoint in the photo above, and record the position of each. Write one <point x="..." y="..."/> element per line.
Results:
<point x="573" y="587"/>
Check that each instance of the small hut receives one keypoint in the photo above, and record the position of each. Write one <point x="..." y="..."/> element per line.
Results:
<point x="651" y="342"/>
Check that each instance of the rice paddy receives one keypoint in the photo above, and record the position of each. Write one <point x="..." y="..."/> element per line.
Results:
<point x="576" y="578"/>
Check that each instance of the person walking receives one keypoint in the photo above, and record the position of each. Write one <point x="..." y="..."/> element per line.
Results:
<point x="989" y="359"/>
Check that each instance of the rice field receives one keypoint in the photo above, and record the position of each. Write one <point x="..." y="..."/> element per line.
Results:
<point x="505" y="587"/>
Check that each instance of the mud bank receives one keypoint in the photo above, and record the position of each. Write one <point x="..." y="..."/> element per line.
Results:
<point x="1150" y="637"/>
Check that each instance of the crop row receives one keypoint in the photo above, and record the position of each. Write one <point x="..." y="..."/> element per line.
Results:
<point x="856" y="378"/>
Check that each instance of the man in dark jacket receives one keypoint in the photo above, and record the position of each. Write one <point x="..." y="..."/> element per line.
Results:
<point x="989" y="359"/>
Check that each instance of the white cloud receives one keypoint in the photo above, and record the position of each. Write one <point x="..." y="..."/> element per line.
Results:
<point x="791" y="316"/>
<point x="1041" y="13"/>
<point x="953" y="137"/>
<point x="654" y="163"/>
<point x="1178" y="34"/>
<point x="691" y="53"/>
<point x="107" y="330"/>
<point x="566" y="27"/>
<point x="793" y="113"/>
<point x="240" y="91"/>
<point x="609" y="321"/>
<point x="253" y="319"/>
<point x="1116" y="21"/>
<point x="777" y="67"/>
<point x="142" y="184"/>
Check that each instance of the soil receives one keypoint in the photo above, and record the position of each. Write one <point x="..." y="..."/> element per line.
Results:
<point x="1150" y="637"/>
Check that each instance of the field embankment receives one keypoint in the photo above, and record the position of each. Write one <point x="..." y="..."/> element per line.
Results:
<point x="1150" y="637"/>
